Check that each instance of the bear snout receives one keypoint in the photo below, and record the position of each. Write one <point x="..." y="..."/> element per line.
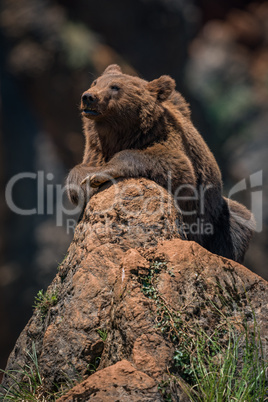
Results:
<point x="89" y="99"/>
<point x="89" y="105"/>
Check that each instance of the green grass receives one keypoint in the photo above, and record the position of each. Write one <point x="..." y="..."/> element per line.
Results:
<point x="31" y="386"/>
<point x="232" y="372"/>
<point x="28" y="389"/>
<point x="103" y="333"/>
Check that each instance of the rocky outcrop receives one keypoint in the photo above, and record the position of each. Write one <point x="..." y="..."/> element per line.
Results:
<point x="110" y="318"/>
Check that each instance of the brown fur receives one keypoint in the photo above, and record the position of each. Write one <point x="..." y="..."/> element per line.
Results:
<point x="137" y="128"/>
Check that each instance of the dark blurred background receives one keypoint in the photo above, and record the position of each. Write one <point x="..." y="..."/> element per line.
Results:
<point x="50" y="51"/>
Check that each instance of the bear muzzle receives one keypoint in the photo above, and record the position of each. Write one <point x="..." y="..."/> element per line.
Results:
<point x="89" y="105"/>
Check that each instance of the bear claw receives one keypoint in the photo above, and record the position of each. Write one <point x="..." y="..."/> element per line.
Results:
<point x="96" y="181"/>
<point x="85" y="180"/>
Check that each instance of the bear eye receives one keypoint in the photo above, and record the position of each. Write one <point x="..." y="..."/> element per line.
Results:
<point x="114" y="87"/>
<point x="94" y="83"/>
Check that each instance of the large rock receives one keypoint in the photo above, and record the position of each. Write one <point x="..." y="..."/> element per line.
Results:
<point x="120" y="380"/>
<point x="127" y="263"/>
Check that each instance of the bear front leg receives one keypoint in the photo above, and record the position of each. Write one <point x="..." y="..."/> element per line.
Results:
<point x="77" y="192"/>
<point x="152" y="163"/>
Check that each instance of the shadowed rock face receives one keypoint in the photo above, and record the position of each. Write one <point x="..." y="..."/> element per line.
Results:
<point x="104" y="318"/>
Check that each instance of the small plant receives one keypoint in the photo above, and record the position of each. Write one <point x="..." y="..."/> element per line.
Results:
<point x="44" y="301"/>
<point x="163" y="388"/>
<point x="62" y="262"/>
<point x="103" y="334"/>
<point x="92" y="367"/>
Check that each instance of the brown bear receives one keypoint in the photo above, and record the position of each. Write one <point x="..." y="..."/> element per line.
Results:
<point x="135" y="128"/>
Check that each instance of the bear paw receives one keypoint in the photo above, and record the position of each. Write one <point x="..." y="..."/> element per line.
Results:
<point x="96" y="179"/>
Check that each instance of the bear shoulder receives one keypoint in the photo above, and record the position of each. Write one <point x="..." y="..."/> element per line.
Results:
<point x="180" y="103"/>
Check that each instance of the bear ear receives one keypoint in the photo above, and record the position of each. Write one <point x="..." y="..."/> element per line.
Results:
<point x="162" y="87"/>
<point x="113" y="69"/>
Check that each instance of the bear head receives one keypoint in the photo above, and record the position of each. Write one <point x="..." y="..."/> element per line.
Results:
<point x="126" y="101"/>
